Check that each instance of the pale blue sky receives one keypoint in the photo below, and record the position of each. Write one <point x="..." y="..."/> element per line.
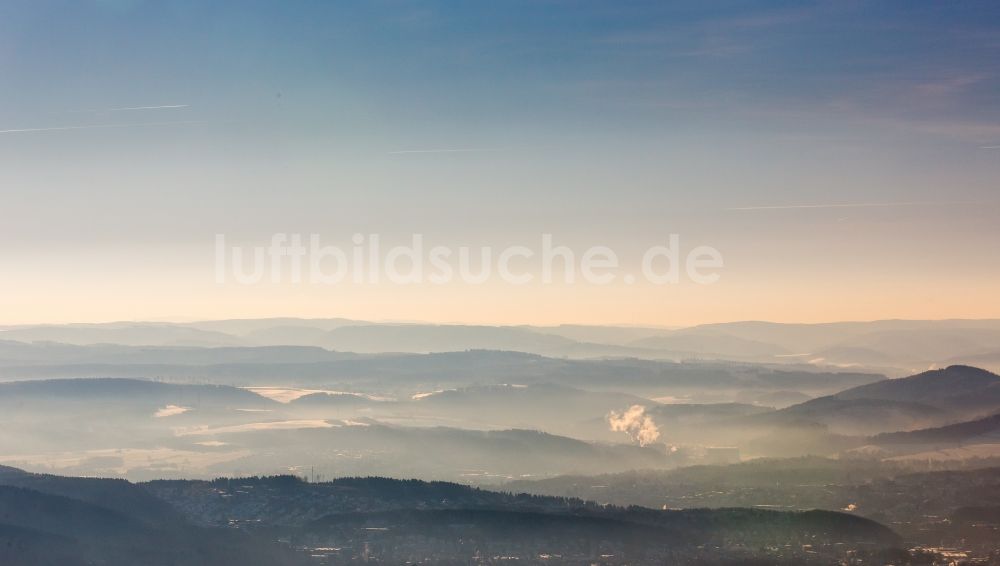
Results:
<point x="601" y="122"/>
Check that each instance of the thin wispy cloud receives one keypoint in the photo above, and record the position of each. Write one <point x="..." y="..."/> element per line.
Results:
<point x="850" y="205"/>
<point x="160" y="107"/>
<point x="99" y="126"/>
<point x="127" y="108"/>
<point x="448" y="150"/>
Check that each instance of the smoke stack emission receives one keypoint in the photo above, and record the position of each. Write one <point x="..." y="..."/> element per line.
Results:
<point x="636" y="424"/>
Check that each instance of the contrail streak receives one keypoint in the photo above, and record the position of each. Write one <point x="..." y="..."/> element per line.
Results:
<point x="99" y="126"/>
<point x="847" y="205"/>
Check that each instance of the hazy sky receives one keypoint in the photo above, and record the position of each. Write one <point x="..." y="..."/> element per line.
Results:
<point x="132" y="132"/>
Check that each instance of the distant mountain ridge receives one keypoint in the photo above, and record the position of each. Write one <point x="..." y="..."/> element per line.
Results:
<point x="984" y="429"/>
<point x="895" y="345"/>
<point x="140" y="390"/>
<point x="262" y="366"/>
<point x="930" y="398"/>
<point x="958" y="387"/>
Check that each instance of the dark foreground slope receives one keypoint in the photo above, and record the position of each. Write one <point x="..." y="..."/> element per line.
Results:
<point x="395" y="521"/>
<point x="913" y="502"/>
<point x="284" y="520"/>
<point x="287" y="501"/>
<point x="626" y="536"/>
<point x="41" y="527"/>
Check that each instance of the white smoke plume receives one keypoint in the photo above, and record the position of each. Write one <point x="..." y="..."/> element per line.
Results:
<point x="636" y="424"/>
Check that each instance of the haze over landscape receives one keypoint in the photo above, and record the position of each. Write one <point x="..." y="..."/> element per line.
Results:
<point x="589" y="283"/>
